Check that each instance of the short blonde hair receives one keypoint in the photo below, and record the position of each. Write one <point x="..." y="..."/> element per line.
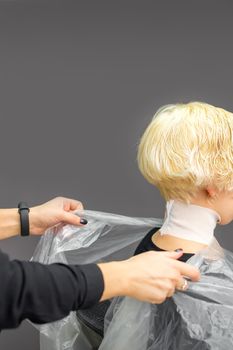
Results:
<point x="186" y="147"/>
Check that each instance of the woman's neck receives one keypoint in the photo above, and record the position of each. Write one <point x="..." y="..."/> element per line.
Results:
<point x="187" y="226"/>
<point x="168" y="242"/>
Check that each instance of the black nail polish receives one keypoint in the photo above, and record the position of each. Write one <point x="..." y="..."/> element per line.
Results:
<point x="83" y="221"/>
<point x="179" y="250"/>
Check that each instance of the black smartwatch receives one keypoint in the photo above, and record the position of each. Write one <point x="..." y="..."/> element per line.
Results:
<point x="24" y="218"/>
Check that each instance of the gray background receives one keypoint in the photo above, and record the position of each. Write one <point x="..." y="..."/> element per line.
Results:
<point x="79" y="82"/>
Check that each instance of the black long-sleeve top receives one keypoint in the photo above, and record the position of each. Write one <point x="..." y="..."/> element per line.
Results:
<point x="45" y="293"/>
<point x="146" y="244"/>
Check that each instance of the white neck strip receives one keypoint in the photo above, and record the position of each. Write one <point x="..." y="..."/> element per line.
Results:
<point x="189" y="221"/>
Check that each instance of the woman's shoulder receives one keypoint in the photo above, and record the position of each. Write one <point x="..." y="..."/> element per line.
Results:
<point x="146" y="243"/>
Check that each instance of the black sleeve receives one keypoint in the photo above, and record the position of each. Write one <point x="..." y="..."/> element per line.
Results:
<point x="45" y="293"/>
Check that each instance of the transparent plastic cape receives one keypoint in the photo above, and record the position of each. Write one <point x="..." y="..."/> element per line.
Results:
<point x="199" y="318"/>
<point x="106" y="237"/>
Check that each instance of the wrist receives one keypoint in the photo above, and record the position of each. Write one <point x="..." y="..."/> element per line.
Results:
<point x="34" y="221"/>
<point x="116" y="282"/>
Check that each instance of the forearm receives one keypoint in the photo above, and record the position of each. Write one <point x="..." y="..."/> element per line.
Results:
<point x="116" y="279"/>
<point x="45" y="293"/>
<point x="9" y="223"/>
<point x="41" y="217"/>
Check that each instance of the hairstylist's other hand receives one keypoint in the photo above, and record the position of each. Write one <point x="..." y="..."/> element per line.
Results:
<point x="151" y="276"/>
<point x="53" y="212"/>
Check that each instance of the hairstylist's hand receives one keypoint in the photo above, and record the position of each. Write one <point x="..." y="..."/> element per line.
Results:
<point x="151" y="276"/>
<point x="57" y="210"/>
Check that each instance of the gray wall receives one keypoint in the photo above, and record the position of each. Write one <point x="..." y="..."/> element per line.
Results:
<point x="79" y="81"/>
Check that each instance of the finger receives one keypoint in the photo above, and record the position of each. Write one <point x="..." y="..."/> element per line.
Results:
<point x="72" y="219"/>
<point x="72" y="204"/>
<point x="152" y="295"/>
<point x="76" y="205"/>
<point x="171" y="292"/>
<point x="167" y="285"/>
<point x="172" y="254"/>
<point x="157" y="296"/>
<point x="187" y="270"/>
<point x="57" y="228"/>
<point x="182" y="285"/>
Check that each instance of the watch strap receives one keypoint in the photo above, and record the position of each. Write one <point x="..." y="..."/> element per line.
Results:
<point x="23" y="211"/>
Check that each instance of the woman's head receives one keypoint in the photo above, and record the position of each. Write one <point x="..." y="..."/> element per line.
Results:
<point x="187" y="152"/>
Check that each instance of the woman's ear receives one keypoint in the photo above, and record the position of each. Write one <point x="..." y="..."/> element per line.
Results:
<point x="211" y="193"/>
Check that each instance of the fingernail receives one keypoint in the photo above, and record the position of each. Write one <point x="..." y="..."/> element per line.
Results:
<point x="179" y="250"/>
<point x="83" y="221"/>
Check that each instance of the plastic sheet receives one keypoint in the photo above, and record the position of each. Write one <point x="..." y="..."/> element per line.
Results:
<point x="199" y="318"/>
<point x="106" y="237"/>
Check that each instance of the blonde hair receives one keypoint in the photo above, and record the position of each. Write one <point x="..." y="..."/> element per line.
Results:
<point x="186" y="147"/>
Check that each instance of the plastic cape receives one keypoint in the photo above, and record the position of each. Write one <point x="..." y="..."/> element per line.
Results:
<point x="199" y="318"/>
<point x="106" y="237"/>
